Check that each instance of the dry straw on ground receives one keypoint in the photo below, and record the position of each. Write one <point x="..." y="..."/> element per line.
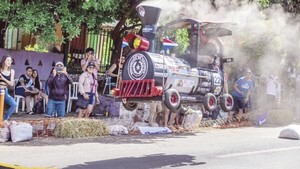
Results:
<point x="76" y="128"/>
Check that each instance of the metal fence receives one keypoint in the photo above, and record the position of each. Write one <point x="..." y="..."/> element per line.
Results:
<point x="101" y="42"/>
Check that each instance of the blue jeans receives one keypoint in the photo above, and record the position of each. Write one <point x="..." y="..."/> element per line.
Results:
<point x="91" y="97"/>
<point x="59" y="106"/>
<point x="8" y="100"/>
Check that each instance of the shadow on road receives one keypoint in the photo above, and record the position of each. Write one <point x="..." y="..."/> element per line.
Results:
<point x="146" y="162"/>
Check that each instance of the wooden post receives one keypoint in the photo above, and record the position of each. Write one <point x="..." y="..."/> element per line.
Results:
<point x="120" y="70"/>
<point x="2" y="93"/>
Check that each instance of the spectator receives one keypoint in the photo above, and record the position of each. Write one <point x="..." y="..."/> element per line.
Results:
<point x="169" y="116"/>
<point x="154" y="108"/>
<point x="37" y="84"/>
<point x="25" y="88"/>
<point x="117" y="65"/>
<point x="90" y="57"/>
<point x="58" y="83"/>
<point x="272" y="91"/>
<point x="114" y="69"/>
<point x="46" y="83"/>
<point x="241" y="93"/>
<point x="7" y="75"/>
<point x="88" y="89"/>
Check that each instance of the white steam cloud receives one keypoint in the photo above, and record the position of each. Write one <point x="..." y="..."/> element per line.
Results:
<point x="274" y="31"/>
<point x="265" y="40"/>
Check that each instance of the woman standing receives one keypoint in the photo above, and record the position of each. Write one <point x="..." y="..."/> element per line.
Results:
<point x="88" y="89"/>
<point x="7" y="75"/>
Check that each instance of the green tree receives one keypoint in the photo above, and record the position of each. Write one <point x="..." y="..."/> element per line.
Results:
<point x="38" y="17"/>
<point x="292" y="6"/>
<point x="127" y="19"/>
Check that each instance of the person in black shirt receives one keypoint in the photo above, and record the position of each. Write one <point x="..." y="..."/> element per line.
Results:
<point x="114" y="69"/>
<point x="24" y="88"/>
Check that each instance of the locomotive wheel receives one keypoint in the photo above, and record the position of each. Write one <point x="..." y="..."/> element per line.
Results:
<point x="226" y="102"/>
<point x="172" y="99"/>
<point x="130" y="106"/>
<point x="210" y="102"/>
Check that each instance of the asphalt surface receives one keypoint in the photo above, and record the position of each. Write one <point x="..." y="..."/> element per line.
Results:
<point x="238" y="148"/>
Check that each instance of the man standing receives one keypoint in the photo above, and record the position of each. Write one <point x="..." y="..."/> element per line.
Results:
<point x="90" y="57"/>
<point x="58" y="83"/>
<point x="241" y="93"/>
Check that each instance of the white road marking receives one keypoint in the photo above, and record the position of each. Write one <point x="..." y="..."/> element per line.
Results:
<point x="258" y="152"/>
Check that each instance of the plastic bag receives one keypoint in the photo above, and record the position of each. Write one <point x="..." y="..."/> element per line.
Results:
<point x="20" y="132"/>
<point x="4" y="134"/>
<point x="192" y="119"/>
<point x="117" y="130"/>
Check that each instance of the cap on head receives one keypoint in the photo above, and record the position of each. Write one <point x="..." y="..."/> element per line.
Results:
<point x="59" y="63"/>
<point x="248" y="71"/>
<point x="89" y="50"/>
<point x="91" y="64"/>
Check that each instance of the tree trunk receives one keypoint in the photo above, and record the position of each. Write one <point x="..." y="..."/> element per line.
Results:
<point x="118" y="31"/>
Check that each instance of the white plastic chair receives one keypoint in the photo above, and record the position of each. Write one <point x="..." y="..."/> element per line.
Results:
<point x="19" y="98"/>
<point x="108" y="83"/>
<point x="73" y="91"/>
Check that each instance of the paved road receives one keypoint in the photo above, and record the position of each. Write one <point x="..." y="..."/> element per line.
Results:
<point x="240" y="148"/>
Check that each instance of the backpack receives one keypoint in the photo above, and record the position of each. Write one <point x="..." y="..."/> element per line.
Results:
<point x="38" y="107"/>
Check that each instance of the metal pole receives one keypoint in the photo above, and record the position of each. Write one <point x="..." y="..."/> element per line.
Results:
<point x="2" y="92"/>
<point x="163" y="82"/>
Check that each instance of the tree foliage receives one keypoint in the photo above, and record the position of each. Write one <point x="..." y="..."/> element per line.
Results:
<point x="292" y="6"/>
<point x="38" y="17"/>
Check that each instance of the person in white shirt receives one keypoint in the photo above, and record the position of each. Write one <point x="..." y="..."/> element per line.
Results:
<point x="273" y="90"/>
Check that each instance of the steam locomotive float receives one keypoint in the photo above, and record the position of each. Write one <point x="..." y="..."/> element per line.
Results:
<point x="149" y="76"/>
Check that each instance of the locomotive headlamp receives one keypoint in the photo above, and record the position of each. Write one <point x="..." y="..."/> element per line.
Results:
<point x="137" y="42"/>
<point x="140" y="43"/>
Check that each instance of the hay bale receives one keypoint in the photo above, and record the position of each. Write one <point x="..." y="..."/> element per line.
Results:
<point x="76" y="128"/>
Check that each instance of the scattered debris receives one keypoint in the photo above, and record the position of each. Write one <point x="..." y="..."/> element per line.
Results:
<point x="154" y="130"/>
<point x="117" y="130"/>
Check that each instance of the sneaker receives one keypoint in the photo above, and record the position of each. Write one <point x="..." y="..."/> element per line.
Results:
<point x="31" y="113"/>
<point x="46" y="115"/>
<point x="6" y="123"/>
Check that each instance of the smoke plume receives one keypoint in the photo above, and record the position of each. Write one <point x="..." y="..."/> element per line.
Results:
<point x="265" y="40"/>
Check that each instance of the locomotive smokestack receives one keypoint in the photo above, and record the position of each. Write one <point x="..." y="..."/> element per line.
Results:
<point x="149" y="16"/>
